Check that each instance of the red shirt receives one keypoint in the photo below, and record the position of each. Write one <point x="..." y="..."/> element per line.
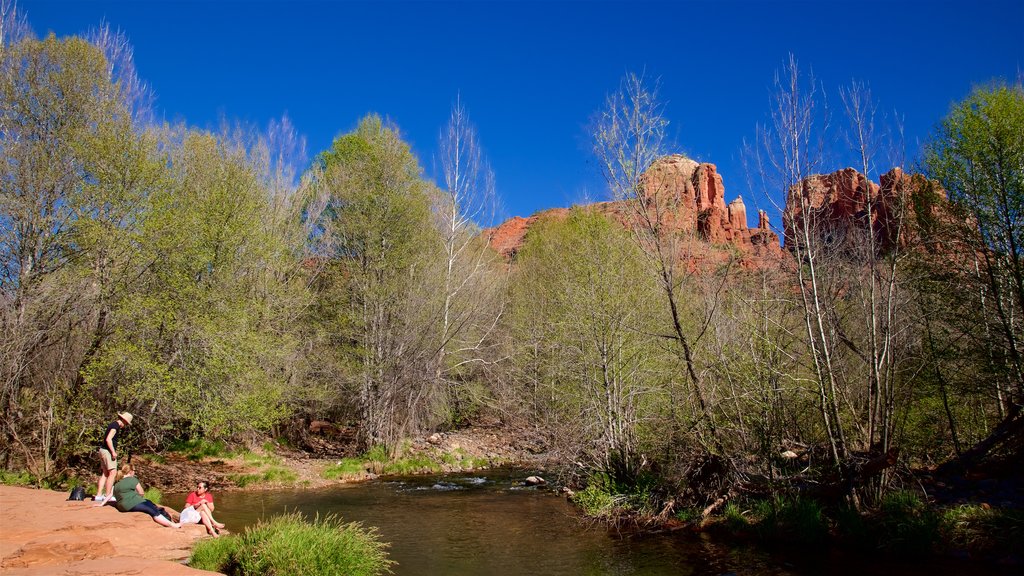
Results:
<point x="194" y="498"/>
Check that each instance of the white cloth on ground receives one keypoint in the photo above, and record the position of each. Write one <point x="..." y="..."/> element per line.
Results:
<point x="189" y="516"/>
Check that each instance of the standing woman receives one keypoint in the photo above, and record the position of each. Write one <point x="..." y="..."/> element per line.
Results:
<point x="108" y="457"/>
<point x="199" y="509"/>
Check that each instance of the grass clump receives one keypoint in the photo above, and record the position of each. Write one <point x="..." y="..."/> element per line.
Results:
<point x="983" y="530"/>
<point x="906" y="524"/>
<point x="200" y="448"/>
<point x="243" y="480"/>
<point x="289" y="544"/>
<point x="344" y="467"/>
<point x="796" y="520"/>
<point x="153" y="495"/>
<point x="595" y="501"/>
<point x="279" y="474"/>
<point x="12" y="478"/>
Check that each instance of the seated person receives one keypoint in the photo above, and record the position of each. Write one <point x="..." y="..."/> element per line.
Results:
<point x="199" y="509"/>
<point x="131" y="498"/>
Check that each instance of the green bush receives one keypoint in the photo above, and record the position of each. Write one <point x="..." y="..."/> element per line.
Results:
<point x="907" y="524"/>
<point x="200" y="448"/>
<point x="19" y="478"/>
<point x="595" y="501"/>
<point x="290" y="545"/>
<point x="797" y="520"/>
<point x="983" y="530"/>
<point x="344" y="467"/>
<point x="153" y="495"/>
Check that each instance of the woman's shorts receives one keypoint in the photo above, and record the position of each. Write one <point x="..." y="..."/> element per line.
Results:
<point x="190" y="516"/>
<point x="107" y="460"/>
<point x="148" y="507"/>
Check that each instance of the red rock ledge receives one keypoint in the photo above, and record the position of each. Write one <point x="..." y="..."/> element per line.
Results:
<point x="42" y="533"/>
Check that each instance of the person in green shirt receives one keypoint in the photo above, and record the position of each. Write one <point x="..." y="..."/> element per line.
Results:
<point x="130" y="497"/>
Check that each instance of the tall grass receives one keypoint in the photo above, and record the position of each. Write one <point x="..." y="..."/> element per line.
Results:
<point x="289" y="544"/>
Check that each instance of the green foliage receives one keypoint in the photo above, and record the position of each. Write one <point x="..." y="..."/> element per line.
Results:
<point x="606" y="496"/>
<point x="595" y="501"/>
<point x="153" y="494"/>
<point x="15" y="478"/>
<point x="383" y="288"/>
<point x="291" y="545"/>
<point x="733" y="518"/>
<point x="906" y="524"/>
<point x="583" y="313"/>
<point x="984" y="530"/>
<point x="344" y="467"/>
<point x="215" y="554"/>
<point x="796" y="520"/>
<point x="277" y="474"/>
<point x="244" y="480"/>
<point x="200" y="448"/>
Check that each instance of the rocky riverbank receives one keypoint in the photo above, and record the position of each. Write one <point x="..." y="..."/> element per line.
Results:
<point x="42" y="533"/>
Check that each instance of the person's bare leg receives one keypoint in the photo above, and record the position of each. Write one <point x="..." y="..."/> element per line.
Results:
<point x="204" y="517"/>
<point x="110" y="482"/>
<point x="204" y="508"/>
<point x="105" y="487"/>
<point x="165" y="522"/>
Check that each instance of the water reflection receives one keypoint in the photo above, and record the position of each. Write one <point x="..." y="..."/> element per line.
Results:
<point x="492" y="524"/>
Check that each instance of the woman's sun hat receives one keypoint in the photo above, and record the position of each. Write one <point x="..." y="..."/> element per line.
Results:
<point x="126" y="416"/>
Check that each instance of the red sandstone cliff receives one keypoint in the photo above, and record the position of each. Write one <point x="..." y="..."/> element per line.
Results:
<point x="691" y="197"/>
<point x="837" y="204"/>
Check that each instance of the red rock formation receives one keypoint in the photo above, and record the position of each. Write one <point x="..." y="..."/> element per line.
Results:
<point x="690" y="197"/>
<point x="837" y="206"/>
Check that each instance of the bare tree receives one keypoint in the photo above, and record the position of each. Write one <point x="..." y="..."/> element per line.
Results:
<point x="13" y="24"/>
<point x="137" y="96"/>
<point x="790" y="150"/>
<point x="467" y="200"/>
<point x="629" y="136"/>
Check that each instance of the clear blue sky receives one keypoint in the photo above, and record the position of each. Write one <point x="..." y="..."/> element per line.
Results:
<point x="531" y="74"/>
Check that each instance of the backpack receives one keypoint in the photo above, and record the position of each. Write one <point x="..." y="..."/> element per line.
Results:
<point x="77" y="493"/>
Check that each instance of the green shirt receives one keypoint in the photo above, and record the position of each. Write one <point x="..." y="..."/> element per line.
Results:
<point x="127" y="497"/>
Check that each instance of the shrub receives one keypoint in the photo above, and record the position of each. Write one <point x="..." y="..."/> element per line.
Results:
<point x="20" y="478"/>
<point x="595" y="501"/>
<point x="344" y="467"/>
<point x="797" y="520"/>
<point x="200" y="448"/>
<point x="153" y="495"/>
<point x="906" y="524"/>
<point x="290" y="545"/>
<point x="984" y="530"/>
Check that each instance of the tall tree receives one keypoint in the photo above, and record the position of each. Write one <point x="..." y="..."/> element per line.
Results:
<point x="978" y="157"/>
<point x="383" y="240"/>
<point x="471" y="307"/>
<point x="628" y="136"/>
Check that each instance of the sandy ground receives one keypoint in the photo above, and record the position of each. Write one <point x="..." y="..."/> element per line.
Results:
<point x="42" y="533"/>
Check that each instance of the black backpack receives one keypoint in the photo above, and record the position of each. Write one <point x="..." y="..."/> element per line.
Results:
<point x="77" y="493"/>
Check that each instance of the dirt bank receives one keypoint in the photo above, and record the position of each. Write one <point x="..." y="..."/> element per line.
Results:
<point x="41" y="533"/>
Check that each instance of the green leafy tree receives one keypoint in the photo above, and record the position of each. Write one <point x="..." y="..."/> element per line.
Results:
<point x="977" y="155"/>
<point x="201" y="344"/>
<point x="380" y="233"/>
<point x="74" y="176"/>
<point x="584" y="310"/>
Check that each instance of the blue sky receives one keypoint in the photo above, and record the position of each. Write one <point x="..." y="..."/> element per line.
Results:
<point x="531" y="74"/>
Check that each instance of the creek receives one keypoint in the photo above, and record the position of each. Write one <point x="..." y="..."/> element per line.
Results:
<point x="491" y="524"/>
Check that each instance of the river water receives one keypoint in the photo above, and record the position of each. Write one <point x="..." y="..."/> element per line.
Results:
<point x="490" y="524"/>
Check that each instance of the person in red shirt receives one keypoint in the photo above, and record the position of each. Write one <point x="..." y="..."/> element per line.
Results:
<point x="199" y="509"/>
